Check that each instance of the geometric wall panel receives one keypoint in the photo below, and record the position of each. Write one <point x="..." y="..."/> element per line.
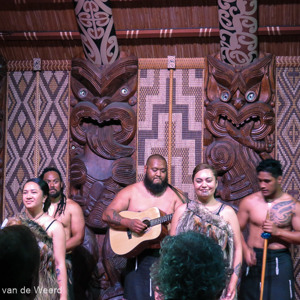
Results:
<point x="169" y="115"/>
<point x="37" y="130"/>
<point x="288" y="141"/>
<point x="288" y="127"/>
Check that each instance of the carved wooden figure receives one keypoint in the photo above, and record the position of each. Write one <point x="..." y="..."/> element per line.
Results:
<point x="240" y="121"/>
<point x="102" y="124"/>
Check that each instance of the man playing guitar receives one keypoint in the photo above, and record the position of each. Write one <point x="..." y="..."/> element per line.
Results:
<point x="153" y="191"/>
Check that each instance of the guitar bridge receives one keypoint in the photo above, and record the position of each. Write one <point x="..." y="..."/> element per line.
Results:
<point x="129" y="234"/>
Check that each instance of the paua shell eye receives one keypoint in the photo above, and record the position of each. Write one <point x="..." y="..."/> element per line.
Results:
<point x="251" y="96"/>
<point x="82" y="93"/>
<point x="225" y="96"/>
<point x="124" y="91"/>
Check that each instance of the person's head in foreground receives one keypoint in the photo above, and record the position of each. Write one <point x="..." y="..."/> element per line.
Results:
<point x="19" y="261"/>
<point x="191" y="266"/>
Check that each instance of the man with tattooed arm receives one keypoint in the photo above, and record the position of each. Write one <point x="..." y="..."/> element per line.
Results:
<point x="275" y="212"/>
<point x="153" y="191"/>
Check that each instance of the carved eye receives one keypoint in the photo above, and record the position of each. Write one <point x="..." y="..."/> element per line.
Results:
<point x="124" y="91"/>
<point x="82" y="93"/>
<point x="225" y="96"/>
<point x="250" y="96"/>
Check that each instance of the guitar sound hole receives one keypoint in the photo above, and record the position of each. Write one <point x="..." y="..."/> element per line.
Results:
<point x="147" y="222"/>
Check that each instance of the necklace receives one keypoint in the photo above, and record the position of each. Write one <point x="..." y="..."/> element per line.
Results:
<point x="36" y="218"/>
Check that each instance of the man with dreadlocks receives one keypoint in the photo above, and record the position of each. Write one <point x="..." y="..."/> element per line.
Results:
<point x="69" y="213"/>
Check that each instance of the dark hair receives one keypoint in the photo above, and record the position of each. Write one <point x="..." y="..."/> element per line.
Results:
<point x="45" y="189"/>
<point x="271" y="166"/>
<point x="19" y="260"/>
<point x="191" y="266"/>
<point x="155" y="156"/>
<point x="203" y="166"/>
<point x="63" y="200"/>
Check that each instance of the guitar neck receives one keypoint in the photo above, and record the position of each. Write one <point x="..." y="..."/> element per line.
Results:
<point x="160" y="220"/>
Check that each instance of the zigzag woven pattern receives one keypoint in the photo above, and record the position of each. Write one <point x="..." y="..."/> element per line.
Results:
<point x="53" y="120"/>
<point x="20" y="144"/>
<point x="176" y="136"/>
<point x="37" y="130"/>
<point x="288" y="141"/>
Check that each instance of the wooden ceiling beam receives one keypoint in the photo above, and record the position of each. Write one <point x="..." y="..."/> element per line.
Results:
<point x="143" y="33"/>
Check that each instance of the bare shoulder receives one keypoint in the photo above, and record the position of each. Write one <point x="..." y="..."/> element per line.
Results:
<point x="51" y="224"/>
<point x="128" y="190"/>
<point x="170" y="193"/>
<point x="72" y="204"/>
<point x="250" y="200"/>
<point x="229" y="210"/>
<point x="181" y="208"/>
<point x="290" y="200"/>
<point x="228" y="213"/>
<point x="72" y="208"/>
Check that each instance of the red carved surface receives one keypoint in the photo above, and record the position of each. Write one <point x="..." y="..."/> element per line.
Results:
<point x="240" y="121"/>
<point x="103" y="127"/>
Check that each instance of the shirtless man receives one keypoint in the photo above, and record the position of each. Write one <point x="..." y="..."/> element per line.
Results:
<point x="68" y="212"/>
<point x="283" y="224"/>
<point x="153" y="191"/>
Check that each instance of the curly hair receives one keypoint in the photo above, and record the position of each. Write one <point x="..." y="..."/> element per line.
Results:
<point x="191" y="266"/>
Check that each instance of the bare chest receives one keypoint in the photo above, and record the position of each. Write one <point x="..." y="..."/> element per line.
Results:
<point x="141" y="201"/>
<point x="64" y="218"/>
<point x="281" y="213"/>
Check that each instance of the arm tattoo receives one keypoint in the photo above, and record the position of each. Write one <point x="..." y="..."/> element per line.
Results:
<point x="57" y="274"/>
<point x="116" y="218"/>
<point x="237" y="269"/>
<point x="282" y="213"/>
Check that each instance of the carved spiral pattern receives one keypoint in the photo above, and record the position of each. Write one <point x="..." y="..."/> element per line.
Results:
<point x="238" y="27"/>
<point x="98" y="34"/>
<point x="78" y="172"/>
<point x="123" y="171"/>
<point x="221" y="156"/>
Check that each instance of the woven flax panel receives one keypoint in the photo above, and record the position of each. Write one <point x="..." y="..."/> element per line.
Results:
<point x="20" y="137"/>
<point x="170" y="105"/>
<point x="288" y="127"/>
<point x="53" y="120"/>
<point x="153" y="115"/>
<point x="288" y="140"/>
<point x="37" y="130"/>
<point x="186" y="127"/>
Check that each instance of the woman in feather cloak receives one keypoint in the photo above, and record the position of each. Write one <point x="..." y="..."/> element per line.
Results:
<point x="50" y="236"/>
<point x="214" y="219"/>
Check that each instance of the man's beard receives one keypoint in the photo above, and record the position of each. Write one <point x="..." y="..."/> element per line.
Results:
<point x="55" y="195"/>
<point x="155" y="188"/>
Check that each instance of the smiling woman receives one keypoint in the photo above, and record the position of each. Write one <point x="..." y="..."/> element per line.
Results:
<point x="209" y="217"/>
<point x="50" y="237"/>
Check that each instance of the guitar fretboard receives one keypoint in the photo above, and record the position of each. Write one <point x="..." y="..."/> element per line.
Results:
<point x="160" y="220"/>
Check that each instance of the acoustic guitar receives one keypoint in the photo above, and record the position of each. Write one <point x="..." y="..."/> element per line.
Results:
<point x="127" y="243"/>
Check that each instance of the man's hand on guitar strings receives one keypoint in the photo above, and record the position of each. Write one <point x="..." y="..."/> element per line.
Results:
<point x="136" y="225"/>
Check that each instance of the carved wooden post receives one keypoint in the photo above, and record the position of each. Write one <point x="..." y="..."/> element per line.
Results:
<point x="240" y="121"/>
<point x="240" y="102"/>
<point x="98" y="36"/>
<point x="102" y="126"/>
<point x="238" y="31"/>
